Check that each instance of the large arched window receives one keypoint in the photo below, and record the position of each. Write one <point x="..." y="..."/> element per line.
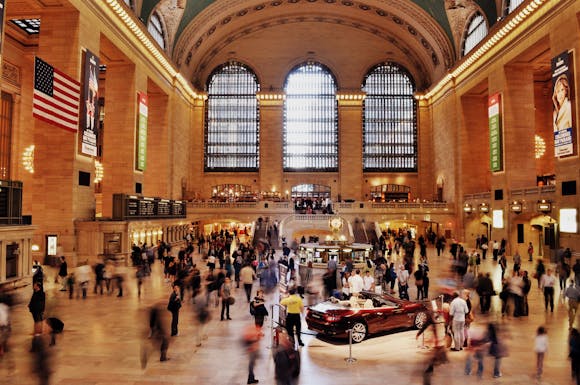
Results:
<point x="511" y="5"/>
<point x="475" y="32"/>
<point x="310" y="120"/>
<point x="232" y="119"/>
<point x="390" y="120"/>
<point x="155" y="28"/>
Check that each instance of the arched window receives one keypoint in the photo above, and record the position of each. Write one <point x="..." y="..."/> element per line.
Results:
<point x="475" y="32"/>
<point x="389" y="120"/>
<point x="155" y="28"/>
<point x="511" y="5"/>
<point x="232" y="119"/>
<point x="310" y="120"/>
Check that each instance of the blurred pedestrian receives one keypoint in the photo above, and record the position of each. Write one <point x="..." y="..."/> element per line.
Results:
<point x="574" y="345"/>
<point x="572" y="293"/>
<point x="541" y="345"/>
<point x="41" y="361"/>
<point x="258" y="310"/>
<point x="247" y="276"/>
<point x="63" y="273"/>
<point x="458" y="310"/>
<point x="226" y="294"/>
<point x="4" y="327"/>
<point x="251" y="339"/>
<point x="286" y="361"/>
<point x="497" y="349"/>
<point x="157" y="335"/>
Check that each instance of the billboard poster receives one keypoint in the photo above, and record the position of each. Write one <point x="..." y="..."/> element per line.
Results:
<point x="495" y="133"/>
<point x="563" y="100"/>
<point x="142" y="131"/>
<point x="90" y="104"/>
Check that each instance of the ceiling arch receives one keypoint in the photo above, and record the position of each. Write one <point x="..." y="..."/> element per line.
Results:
<point x="377" y="30"/>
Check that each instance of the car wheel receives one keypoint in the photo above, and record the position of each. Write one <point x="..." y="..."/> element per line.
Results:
<point x="359" y="332"/>
<point x="421" y="319"/>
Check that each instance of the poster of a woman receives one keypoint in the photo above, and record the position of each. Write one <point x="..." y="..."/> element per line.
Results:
<point x="562" y="106"/>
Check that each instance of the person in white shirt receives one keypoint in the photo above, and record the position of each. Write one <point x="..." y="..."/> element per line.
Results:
<point x="403" y="278"/>
<point x="547" y="282"/>
<point x="356" y="283"/>
<point x="368" y="282"/>
<point x="540" y="347"/>
<point x="458" y="309"/>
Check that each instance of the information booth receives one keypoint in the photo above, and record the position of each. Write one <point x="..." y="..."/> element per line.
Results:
<point x="319" y="254"/>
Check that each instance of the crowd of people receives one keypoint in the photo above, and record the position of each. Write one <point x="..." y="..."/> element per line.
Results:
<point x="208" y="276"/>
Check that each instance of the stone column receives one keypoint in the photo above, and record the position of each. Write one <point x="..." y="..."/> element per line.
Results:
<point x="271" y="142"/>
<point x="350" y="139"/>
<point x="56" y="197"/>
<point x="196" y="175"/>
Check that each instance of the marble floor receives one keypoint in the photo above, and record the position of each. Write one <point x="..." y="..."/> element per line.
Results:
<point x="105" y="337"/>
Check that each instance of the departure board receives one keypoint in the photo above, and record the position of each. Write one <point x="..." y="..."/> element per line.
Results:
<point x="138" y="207"/>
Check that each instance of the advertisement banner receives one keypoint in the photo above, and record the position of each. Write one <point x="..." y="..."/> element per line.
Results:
<point x="563" y="100"/>
<point x="142" y="131"/>
<point x="2" y="12"/>
<point x="495" y="133"/>
<point x="90" y="104"/>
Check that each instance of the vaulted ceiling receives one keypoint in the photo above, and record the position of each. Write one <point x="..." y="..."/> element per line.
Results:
<point x="273" y="36"/>
<point x="422" y="35"/>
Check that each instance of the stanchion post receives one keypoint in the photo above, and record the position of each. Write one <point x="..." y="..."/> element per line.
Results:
<point x="350" y="359"/>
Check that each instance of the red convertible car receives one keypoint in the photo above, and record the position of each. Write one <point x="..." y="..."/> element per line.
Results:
<point x="370" y="313"/>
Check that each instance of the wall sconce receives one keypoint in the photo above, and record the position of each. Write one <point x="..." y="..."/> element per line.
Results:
<point x="28" y="159"/>
<point x="516" y="207"/>
<point x="98" y="172"/>
<point x="484" y="207"/>
<point x="35" y="247"/>
<point x="467" y="208"/>
<point x="544" y="206"/>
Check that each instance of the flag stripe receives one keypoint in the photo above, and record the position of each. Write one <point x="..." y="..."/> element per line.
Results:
<point x="47" y="106"/>
<point x="50" y="103"/>
<point x="56" y="97"/>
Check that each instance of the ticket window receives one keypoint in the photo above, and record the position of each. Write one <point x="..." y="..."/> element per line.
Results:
<point x="12" y="253"/>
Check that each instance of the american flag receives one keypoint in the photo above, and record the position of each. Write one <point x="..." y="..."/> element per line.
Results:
<point x="56" y="97"/>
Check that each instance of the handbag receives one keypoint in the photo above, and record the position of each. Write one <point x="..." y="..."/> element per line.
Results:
<point x="231" y="300"/>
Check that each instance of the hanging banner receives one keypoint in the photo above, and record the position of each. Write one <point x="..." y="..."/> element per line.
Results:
<point x="563" y="100"/>
<point x="2" y="11"/>
<point x="495" y="133"/>
<point x="90" y="105"/>
<point x="142" y="131"/>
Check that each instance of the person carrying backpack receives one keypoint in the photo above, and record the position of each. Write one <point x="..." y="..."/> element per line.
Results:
<point x="258" y="309"/>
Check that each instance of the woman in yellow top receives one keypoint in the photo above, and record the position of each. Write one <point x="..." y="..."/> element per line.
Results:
<point x="294" y="307"/>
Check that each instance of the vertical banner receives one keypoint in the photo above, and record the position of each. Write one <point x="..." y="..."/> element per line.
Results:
<point x="562" y="99"/>
<point x="2" y="12"/>
<point x="90" y="105"/>
<point x="142" y="131"/>
<point x="495" y="133"/>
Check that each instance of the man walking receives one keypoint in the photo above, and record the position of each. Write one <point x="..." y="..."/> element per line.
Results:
<point x="458" y="309"/>
<point x="247" y="276"/>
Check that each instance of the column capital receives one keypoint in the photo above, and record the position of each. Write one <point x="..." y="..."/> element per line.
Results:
<point x="271" y="98"/>
<point x="350" y="98"/>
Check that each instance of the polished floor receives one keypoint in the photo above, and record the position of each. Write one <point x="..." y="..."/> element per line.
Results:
<point x="105" y="337"/>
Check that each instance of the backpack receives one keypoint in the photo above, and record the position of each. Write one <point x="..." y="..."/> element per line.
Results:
<point x="252" y="310"/>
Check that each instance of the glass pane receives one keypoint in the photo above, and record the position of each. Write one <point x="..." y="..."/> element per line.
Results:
<point x="476" y="32"/>
<point x="389" y="120"/>
<point x="232" y="121"/>
<point x="310" y="120"/>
